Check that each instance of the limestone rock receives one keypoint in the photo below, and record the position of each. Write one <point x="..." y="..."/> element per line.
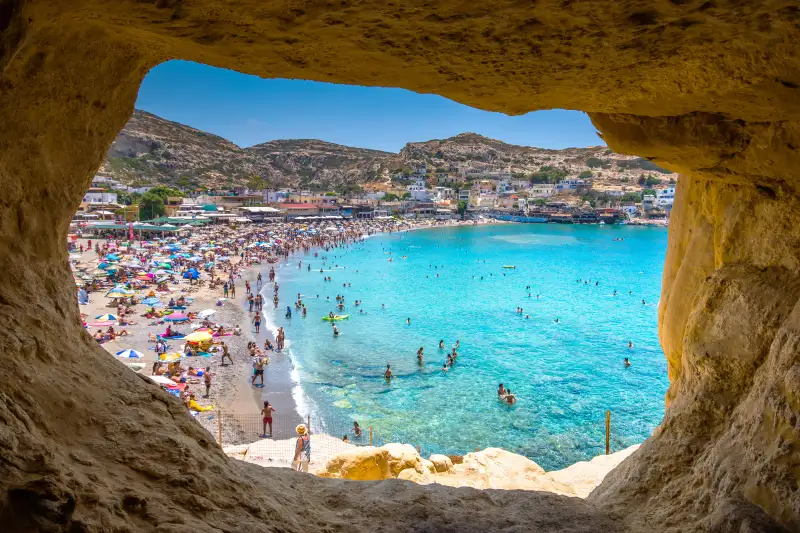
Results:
<point x="442" y="463"/>
<point x="364" y="464"/>
<point x="402" y="456"/>
<point x="581" y="478"/>
<point x="421" y="478"/>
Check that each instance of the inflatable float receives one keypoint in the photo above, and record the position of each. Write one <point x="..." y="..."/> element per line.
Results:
<point x="509" y="266"/>
<point x="335" y="317"/>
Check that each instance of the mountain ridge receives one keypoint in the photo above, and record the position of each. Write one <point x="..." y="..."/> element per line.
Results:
<point x="153" y="150"/>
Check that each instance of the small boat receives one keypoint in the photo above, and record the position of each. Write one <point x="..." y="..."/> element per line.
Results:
<point x="335" y="317"/>
<point x="509" y="266"/>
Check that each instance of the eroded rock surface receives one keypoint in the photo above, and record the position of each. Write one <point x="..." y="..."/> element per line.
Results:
<point x="492" y="468"/>
<point x="709" y="89"/>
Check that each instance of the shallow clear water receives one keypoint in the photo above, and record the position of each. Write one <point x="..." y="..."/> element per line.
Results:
<point x="565" y="374"/>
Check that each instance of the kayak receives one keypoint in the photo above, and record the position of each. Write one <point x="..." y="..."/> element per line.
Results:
<point x="335" y="317"/>
<point x="509" y="266"/>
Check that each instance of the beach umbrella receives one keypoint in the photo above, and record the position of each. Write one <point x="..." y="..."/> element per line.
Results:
<point x="130" y="354"/>
<point x="176" y="317"/>
<point x="170" y="357"/>
<point x="199" y="336"/>
<point x="206" y="313"/>
<point x="103" y="265"/>
<point x="112" y="257"/>
<point x="119" y="293"/>
<point x="105" y="317"/>
<point x="191" y="275"/>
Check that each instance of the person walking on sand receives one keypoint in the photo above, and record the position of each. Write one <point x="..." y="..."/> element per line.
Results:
<point x="225" y="289"/>
<point x="266" y="413"/>
<point x="225" y="353"/>
<point x="257" y="322"/>
<point x="232" y="289"/>
<point x="258" y="279"/>
<point x="302" y="449"/>
<point x="207" y="380"/>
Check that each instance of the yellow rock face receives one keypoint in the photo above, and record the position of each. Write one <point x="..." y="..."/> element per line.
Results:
<point x="709" y="89"/>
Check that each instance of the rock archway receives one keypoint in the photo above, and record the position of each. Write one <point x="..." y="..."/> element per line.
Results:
<point x="707" y="88"/>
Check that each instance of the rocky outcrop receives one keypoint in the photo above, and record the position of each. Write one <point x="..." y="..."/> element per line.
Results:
<point x="492" y="468"/>
<point x="709" y="89"/>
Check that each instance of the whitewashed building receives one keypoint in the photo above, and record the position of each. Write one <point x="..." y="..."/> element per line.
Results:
<point x="96" y="195"/>
<point x="541" y="191"/>
<point x="665" y="198"/>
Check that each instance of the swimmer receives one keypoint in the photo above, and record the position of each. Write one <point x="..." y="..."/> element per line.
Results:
<point x="408" y="321"/>
<point x="388" y="373"/>
<point x="626" y="363"/>
<point x="444" y="367"/>
<point x="335" y="331"/>
<point x="501" y="390"/>
<point x="441" y="345"/>
<point x="510" y="398"/>
<point x="420" y="356"/>
<point x="630" y="344"/>
<point x="457" y="344"/>
<point x="556" y="320"/>
<point x="643" y="302"/>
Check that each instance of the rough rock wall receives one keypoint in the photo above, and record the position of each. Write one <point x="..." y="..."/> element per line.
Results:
<point x="705" y="88"/>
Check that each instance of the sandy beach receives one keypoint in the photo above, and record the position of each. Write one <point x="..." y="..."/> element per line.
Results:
<point x="231" y="391"/>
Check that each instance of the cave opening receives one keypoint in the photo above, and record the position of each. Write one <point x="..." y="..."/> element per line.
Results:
<point x="677" y="87"/>
<point x="570" y="371"/>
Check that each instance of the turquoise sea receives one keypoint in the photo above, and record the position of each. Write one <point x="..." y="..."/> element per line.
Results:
<point x="452" y="285"/>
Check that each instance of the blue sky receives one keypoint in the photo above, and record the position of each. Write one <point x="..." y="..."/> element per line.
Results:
<point x="248" y="110"/>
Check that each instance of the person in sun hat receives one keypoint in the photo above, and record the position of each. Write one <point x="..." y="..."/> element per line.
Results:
<point x="302" y="450"/>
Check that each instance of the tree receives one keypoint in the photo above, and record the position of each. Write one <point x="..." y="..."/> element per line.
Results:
<point x="406" y="196"/>
<point x="651" y="180"/>
<point x="632" y="197"/>
<point x="651" y="192"/>
<point x="127" y="198"/>
<point x="164" y="192"/>
<point x="585" y="175"/>
<point x="462" y="207"/>
<point x="151" y="206"/>
<point x="255" y="183"/>
<point x="183" y="182"/>
<point x="390" y="197"/>
<point x="595" y="162"/>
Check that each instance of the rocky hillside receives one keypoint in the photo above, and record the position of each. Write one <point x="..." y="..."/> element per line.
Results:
<point x="151" y="149"/>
